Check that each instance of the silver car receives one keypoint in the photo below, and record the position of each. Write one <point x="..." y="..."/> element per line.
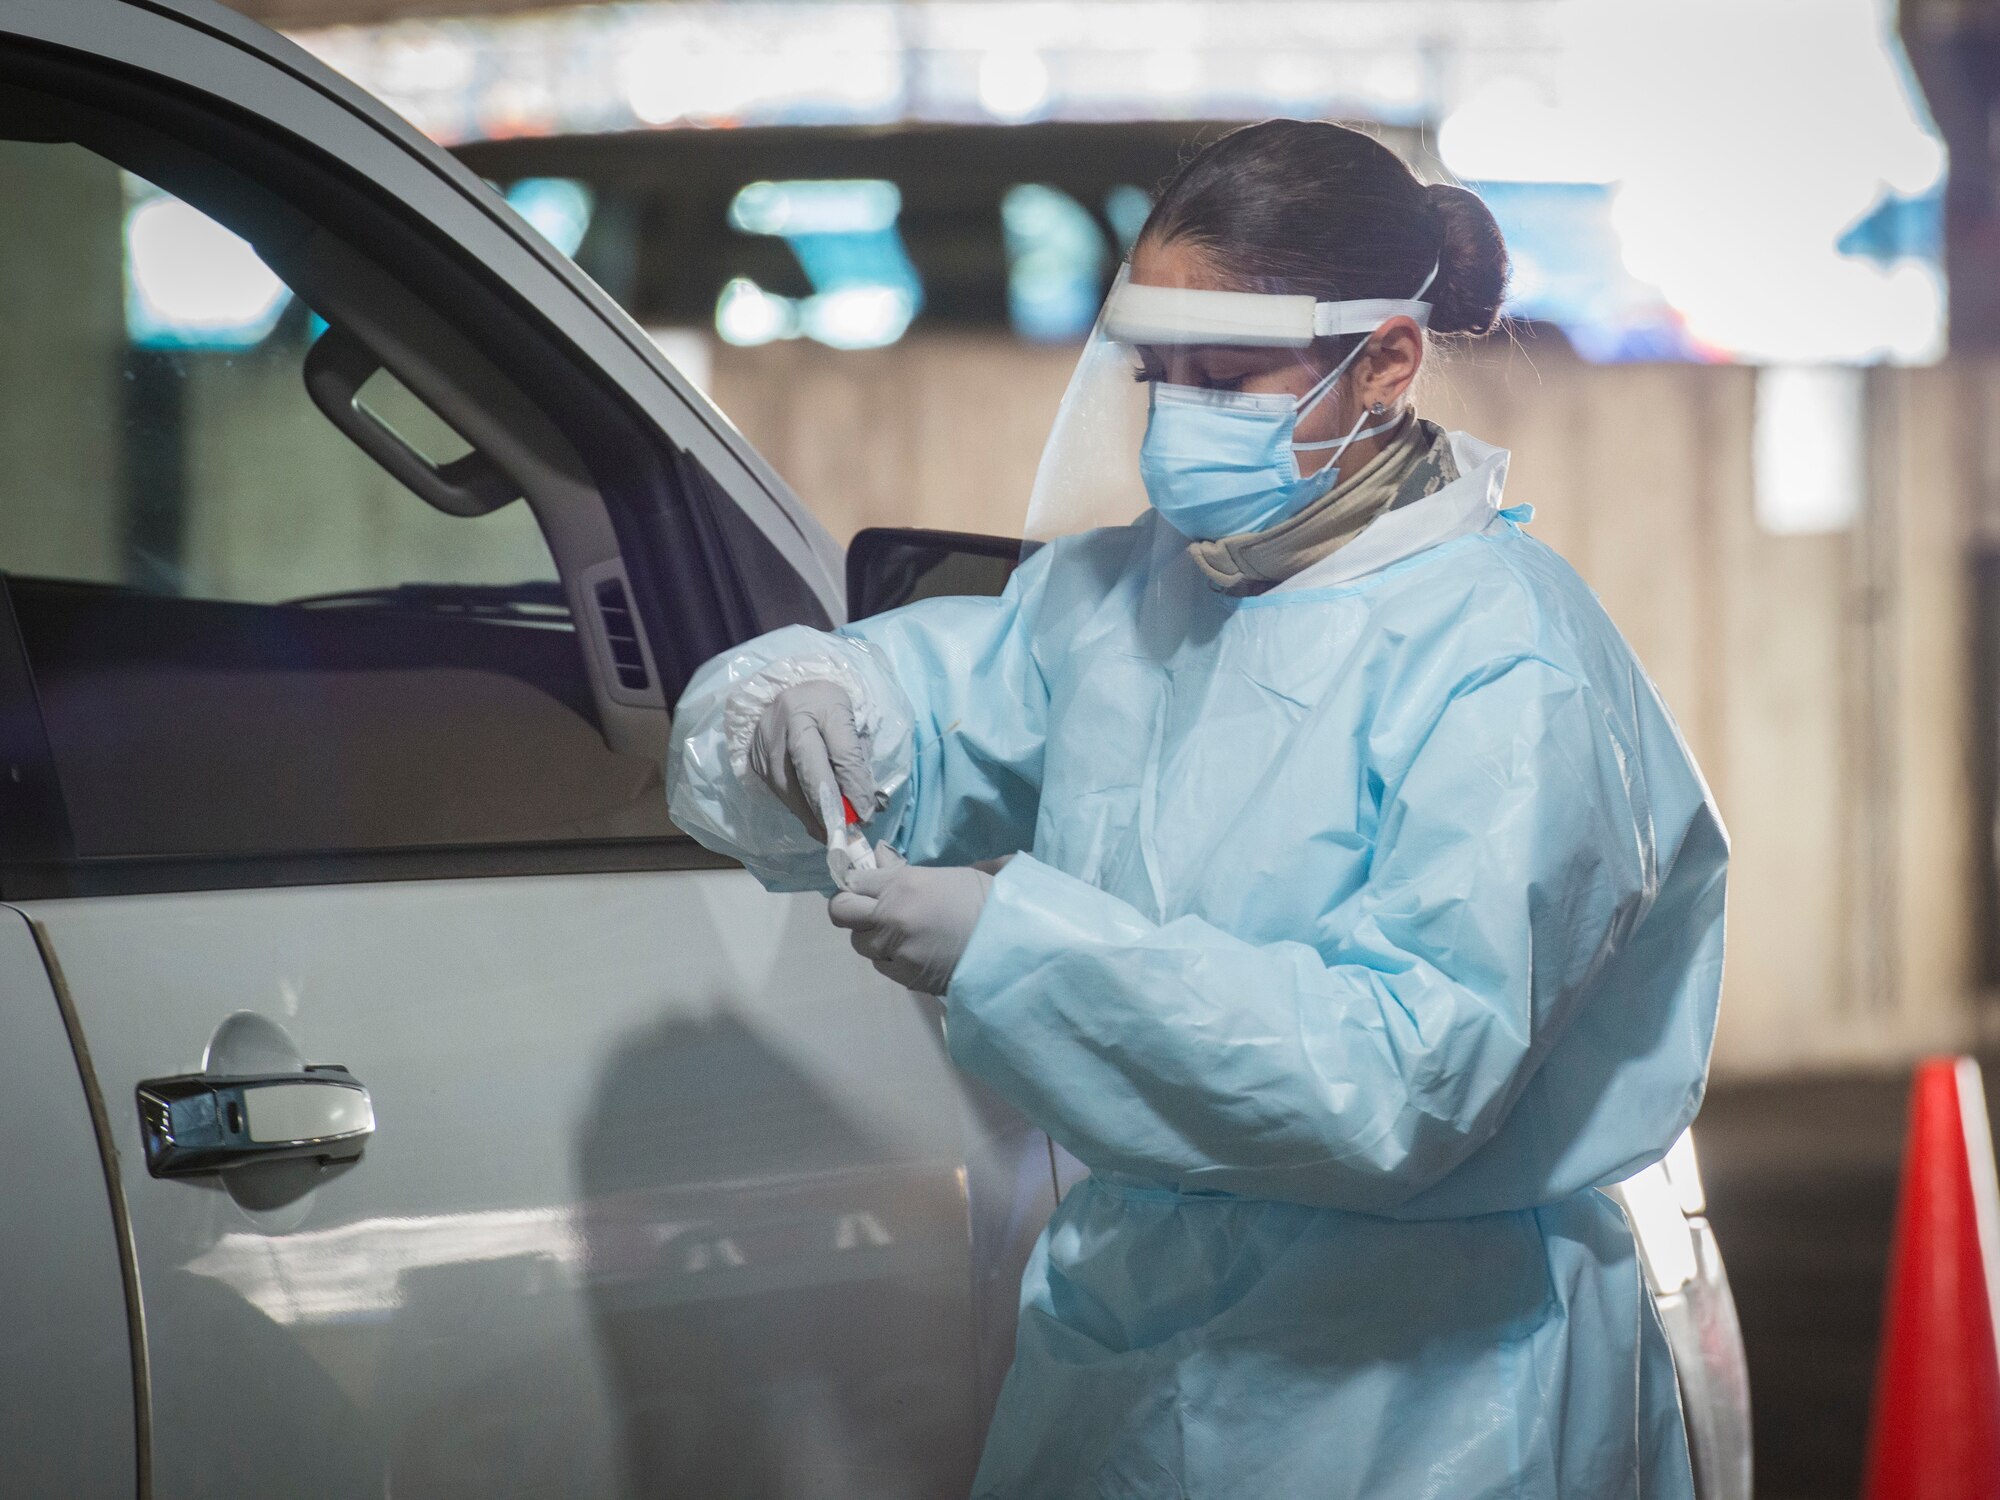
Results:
<point x="395" y="1103"/>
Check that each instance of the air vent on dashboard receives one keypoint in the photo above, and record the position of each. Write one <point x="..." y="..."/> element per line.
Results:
<point x="621" y="634"/>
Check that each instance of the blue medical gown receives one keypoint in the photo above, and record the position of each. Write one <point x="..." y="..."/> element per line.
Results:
<point x="1363" y="932"/>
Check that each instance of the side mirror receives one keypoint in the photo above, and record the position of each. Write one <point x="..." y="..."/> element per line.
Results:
<point x="892" y="565"/>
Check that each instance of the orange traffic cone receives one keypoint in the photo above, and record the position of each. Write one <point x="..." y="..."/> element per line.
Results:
<point x="1936" y="1434"/>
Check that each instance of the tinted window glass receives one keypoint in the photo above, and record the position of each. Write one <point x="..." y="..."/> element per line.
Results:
<point x="245" y="636"/>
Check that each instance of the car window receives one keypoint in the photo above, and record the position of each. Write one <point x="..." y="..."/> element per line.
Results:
<point x="244" y="635"/>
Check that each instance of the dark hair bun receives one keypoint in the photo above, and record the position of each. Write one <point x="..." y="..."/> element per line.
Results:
<point x="1472" y="263"/>
<point x="1310" y="207"/>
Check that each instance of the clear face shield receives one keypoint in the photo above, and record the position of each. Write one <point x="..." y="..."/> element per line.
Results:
<point x="1193" y="401"/>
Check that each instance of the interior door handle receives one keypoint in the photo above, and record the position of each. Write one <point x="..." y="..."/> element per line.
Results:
<point x="202" y="1123"/>
<point x="337" y="366"/>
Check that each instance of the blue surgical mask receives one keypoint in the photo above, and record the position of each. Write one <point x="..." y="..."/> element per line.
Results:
<point x="1222" y="463"/>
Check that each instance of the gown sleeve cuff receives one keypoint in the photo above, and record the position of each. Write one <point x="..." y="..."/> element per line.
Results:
<point x="1037" y="921"/>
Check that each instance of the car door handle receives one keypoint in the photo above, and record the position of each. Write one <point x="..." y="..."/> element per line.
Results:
<point x="202" y="1123"/>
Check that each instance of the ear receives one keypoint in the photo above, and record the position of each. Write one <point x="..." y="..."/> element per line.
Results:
<point x="1390" y="362"/>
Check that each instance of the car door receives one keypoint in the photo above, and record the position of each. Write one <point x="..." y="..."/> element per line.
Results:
<point x="67" y="1382"/>
<point x="353" y="549"/>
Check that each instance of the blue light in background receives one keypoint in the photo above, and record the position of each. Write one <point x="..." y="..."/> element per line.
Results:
<point x="1569" y="270"/>
<point x="558" y="207"/>
<point x="857" y="205"/>
<point x="1899" y="229"/>
<point x="1570" y="265"/>
<point x="189" y="282"/>
<point x="1056" y="263"/>
<point x="1126" y="207"/>
<point x="843" y="231"/>
<point x="1784" y="221"/>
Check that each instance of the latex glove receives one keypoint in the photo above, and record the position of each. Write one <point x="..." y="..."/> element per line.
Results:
<point x="912" y="921"/>
<point x="807" y="741"/>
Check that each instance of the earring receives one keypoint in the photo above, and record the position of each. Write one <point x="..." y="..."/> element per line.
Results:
<point x="1377" y="409"/>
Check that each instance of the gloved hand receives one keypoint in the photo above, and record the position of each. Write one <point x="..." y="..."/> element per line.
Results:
<point x="807" y="740"/>
<point x="911" y="921"/>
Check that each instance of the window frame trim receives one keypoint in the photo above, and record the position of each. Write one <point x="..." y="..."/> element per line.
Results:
<point x="98" y="876"/>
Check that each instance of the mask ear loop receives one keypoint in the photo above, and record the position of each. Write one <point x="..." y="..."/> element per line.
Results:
<point x="1313" y="397"/>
